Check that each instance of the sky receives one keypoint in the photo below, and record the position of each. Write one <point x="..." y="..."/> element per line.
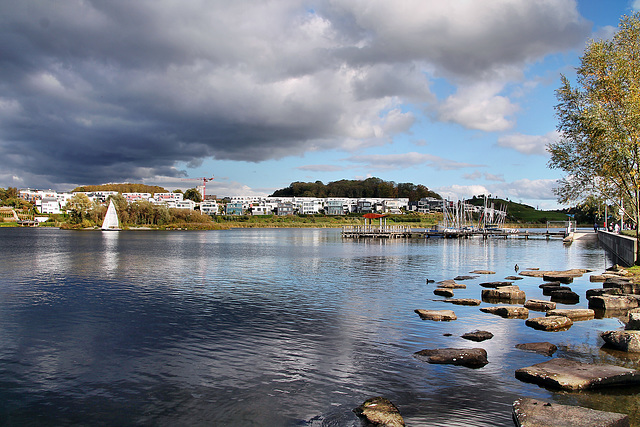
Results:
<point x="456" y="95"/>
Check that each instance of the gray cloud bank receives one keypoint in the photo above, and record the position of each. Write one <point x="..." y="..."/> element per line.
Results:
<point x="95" y="91"/>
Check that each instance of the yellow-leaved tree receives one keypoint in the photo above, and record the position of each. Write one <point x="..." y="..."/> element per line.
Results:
<point x="599" y="124"/>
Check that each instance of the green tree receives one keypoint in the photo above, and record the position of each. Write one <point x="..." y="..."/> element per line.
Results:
<point x="193" y="194"/>
<point x="79" y="207"/>
<point x="599" y="124"/>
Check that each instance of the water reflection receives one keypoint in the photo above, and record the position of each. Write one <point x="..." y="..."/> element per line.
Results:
<point x="261" y="327"/>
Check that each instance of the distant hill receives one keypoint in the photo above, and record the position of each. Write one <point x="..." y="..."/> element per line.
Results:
<point x="122" y="188"/>
<point x="370" y="187"/>
<point x="518" y="212"/>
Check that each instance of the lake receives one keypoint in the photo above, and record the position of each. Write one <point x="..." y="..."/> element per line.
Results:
<point x="269" y="327"/>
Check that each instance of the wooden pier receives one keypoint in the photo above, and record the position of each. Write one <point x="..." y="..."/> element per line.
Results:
<point x="401" y="231"/>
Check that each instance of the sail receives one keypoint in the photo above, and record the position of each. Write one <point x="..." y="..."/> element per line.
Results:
<point x="111" y="218"/>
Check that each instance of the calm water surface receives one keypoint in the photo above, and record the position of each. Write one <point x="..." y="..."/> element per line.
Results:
<point x="267" y="327"/>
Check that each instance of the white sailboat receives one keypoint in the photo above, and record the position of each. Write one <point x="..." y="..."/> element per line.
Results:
<point x="111" y="222"/>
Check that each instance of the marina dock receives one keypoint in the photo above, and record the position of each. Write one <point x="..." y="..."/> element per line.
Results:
<point x="399" y="231"/>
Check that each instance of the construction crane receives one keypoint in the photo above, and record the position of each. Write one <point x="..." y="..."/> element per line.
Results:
<point x="204" y="184"/>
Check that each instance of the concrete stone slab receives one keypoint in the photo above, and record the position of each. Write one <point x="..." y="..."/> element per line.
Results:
<point x="613" y="302"/>
<point x="451" y="284"/>
<point x="565" y="297"/>
<point x="495" y="284"/>
<point x="623" y="340"/>
<point x="437" y="315"/>
<point x="550" y="323"/>
<point x="539" y="305"/>
<point x="514" y="311"/>
<point x="443" y="292"/>
<point x="511" y="294"/>
<point x="634" y="322"/>
<point x="574" y="314"/>
<point x="380" y="411"/>
<point x="545" y="348"/>
<point x="569" y="374"/>
<point x="469" y="357"/>
<point x="529" y="412"/>
<point x="602" y="291"/>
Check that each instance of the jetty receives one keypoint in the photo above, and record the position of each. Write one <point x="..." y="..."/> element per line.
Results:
<point x="398" y="231"/>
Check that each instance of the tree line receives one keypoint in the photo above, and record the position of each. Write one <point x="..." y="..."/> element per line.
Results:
<point x="370" y="187"/>
<point x="84" y="213"/>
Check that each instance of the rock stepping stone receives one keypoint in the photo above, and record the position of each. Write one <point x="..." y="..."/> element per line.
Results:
<point x="513" y="278"/>
<point x="565" y="296"/>
<point x="436" y="315"/>
<point x="574" y="314"/>
<point x="451" y="284"/>
<point x="380" y="411"/>
<point x="559" y="277"/>
<point x="551" y="323"/>
<point x="613" y="302"/>
<point x="510" y="312"/>
<point x="623" y="340"/>
<point x="443" y="292"/>
<point x="478" y="336"/>
<point x="511" y="294"/>
<point x="495" y="284"/>
<point x="566" y="374"/>
<point x="623" y="285"/>
<point x="539" y="413"/>
<point x="464" y="301"/>
<point x="465" y="277"/>
<point x="545" y="348"/>
<point x="469" y="357"/>
<point x="482" y="272"/>
<point x="634" y="322"/>
<point x="545" y="284"/>
<point x="547" y="290"/>
<point x="602" y="291"/>
<point x="539" y="305"/>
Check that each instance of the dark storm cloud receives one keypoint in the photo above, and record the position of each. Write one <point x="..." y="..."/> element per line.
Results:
<point x="96" y="91"/>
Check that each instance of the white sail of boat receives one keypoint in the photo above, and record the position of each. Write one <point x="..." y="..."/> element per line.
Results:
<point x="111" y="219"/>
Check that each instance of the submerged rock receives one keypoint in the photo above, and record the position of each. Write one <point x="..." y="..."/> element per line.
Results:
<point x="538" y="413"/>
<point x="545" y="348"/>
<point x="478" y="336"/>
<point x="623" y="340"/>
<point x="443" y="292"/>
<point x="465" y="277"/>
<point x="379" y="411"/>
<point x="560" y="373"/>
<point x="539" y="305"/>
<point x="513" y="278"/>
<point x="469" y="357"/>
<point x="551" y="323"/>
<point x="482" y="272"/>
<point x="514" y="311"/>
<point x="437" y="315"/>
<point x="464" y="301"/>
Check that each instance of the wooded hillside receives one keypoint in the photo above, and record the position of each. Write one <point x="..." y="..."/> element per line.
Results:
<point x="370" y="187"/>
